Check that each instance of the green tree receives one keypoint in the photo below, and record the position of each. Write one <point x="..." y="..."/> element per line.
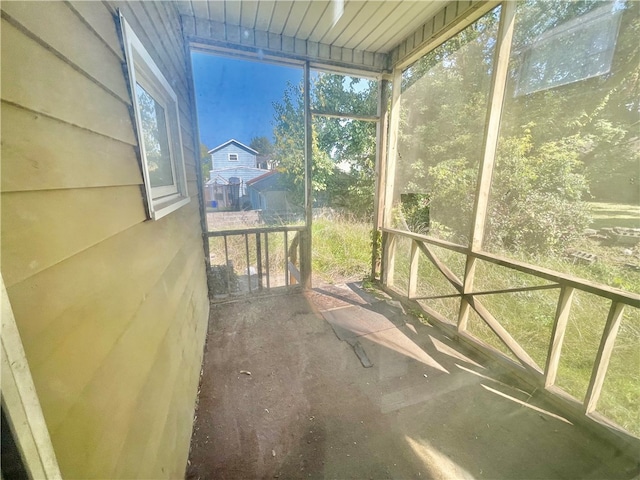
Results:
<point x="205" y="161"/>
<point x="351" y="144"/>
<point x="262" y="145"/>
<point x="443" y="110"/>
<point x="343" y="149"/>
<point x="288" y="151"/>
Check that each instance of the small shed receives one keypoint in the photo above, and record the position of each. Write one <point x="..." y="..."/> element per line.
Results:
<point x="268" y="193"/>
<point x="236" y="175"/>
<point x="222" y="194"/>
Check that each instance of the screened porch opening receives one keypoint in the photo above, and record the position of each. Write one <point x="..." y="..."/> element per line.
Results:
<point x="503" y="174"/>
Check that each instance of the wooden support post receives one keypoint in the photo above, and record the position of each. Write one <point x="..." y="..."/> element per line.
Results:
<point x="248" y="270"/>
<point x="413" y="270"/>
<point x="293" y="256"/>
<point x="305" y="241"/>
<point x="491" y="135"/>
<point x="20" y="401"/>
<point x="259" y="260"/>
<point x="557" y="336"/>
<point x="266" y="258"/>
<point x="389" y="258"/>
<point x="380" y="172"/>
<point x="286" y="259"/>
<point x="227" y="267"/>
<point x="389" y="177"/>
<point x="604" y="355"/>
<point x="492" y="126"/>
<point x="392" y="157"/>
<point x="204" y="221"/>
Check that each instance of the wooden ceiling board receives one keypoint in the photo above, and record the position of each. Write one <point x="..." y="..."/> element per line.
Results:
<point x="216" y="11"/>
<point x="323" y="23"/>
<point x="265" y="11"/>
<point x="185" y="8"/>
<point x="296" y="17"/>
<point x="369" y="10"/>
<point x="200" y="9"/>
<point x="391" y="25"/>
<point x="418" y="15"/>
<point x="315" y="11"/>
<point x="280" y="16"/>
<point x="372" y="26"/>
<point x="231" y="11"/>
<point x="248" y="14"/>
<point x="351" y="11"/>
<point x="373" y="19"/>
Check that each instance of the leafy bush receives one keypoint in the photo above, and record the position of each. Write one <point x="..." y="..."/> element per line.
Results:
<point x="415" y="212"/>
<point x="537" y="196"/>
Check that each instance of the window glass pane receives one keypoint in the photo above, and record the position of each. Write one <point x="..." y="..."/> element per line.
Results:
<point x="336" y="93"/>
<point x="565" y="189"/>
<point x="261" y="172"/>
<point x="155" y="138"/>
<point x="443" y="111"/>
<point x="574" y="50"/>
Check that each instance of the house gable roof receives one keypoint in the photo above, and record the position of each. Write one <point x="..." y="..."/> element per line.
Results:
<point x="268" y="182"/>
<point x="235" y="142"/>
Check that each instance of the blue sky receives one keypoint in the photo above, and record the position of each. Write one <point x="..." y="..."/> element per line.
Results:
<point x="234" y="97"/>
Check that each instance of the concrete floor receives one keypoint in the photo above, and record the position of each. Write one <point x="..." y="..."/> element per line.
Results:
<point x="284" y="394"/>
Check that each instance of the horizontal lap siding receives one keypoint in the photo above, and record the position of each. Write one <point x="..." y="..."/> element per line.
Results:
<point x="112" y="308"/>
<point x="221" y="158"/>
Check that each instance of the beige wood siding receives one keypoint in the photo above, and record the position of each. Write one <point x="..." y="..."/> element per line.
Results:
<point x="112" y="308"/>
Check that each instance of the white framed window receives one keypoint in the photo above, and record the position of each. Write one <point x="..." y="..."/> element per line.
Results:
<point x="155" y="105"/>
<point x="233" y="157"/>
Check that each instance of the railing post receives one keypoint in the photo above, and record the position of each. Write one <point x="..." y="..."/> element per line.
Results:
<point x="266" y="257"/>
<point x="604" y="355"/>
<point x="286" y="258"/>
<point x="389" y="248"/>
<point x="305" y="258"/>
<point x="259" y="260"/>
<point x="413" y="270"/>
<point x="227" y="267"/>
<point x="248" y="270"/>
<point x="557" y="336"/>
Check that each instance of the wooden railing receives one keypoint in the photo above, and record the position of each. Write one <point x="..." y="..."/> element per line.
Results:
<point x="527" y="368"/>
<point x="258" y="249"/>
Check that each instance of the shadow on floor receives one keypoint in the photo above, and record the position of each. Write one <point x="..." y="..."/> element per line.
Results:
<point x="285" y="394"/>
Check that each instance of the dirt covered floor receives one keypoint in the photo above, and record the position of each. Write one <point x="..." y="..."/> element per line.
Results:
<point x="285" y="394"/>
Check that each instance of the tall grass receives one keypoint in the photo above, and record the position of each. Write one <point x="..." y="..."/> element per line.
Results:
<point x="341" y="249"/>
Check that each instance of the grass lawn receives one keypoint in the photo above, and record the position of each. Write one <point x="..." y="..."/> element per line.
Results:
<point x="614" y="215"/>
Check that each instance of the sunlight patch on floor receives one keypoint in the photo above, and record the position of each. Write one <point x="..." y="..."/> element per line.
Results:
<point x="437" y="464"/>
<point x="447" y="350"/>
<point x="397" y="341"/>
<point x="524" y="404"/>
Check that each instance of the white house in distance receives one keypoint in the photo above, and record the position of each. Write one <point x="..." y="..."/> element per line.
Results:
<point x="233" y="165"/>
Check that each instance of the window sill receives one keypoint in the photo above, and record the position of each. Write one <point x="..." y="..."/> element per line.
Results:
<point x="165" y="206"/>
